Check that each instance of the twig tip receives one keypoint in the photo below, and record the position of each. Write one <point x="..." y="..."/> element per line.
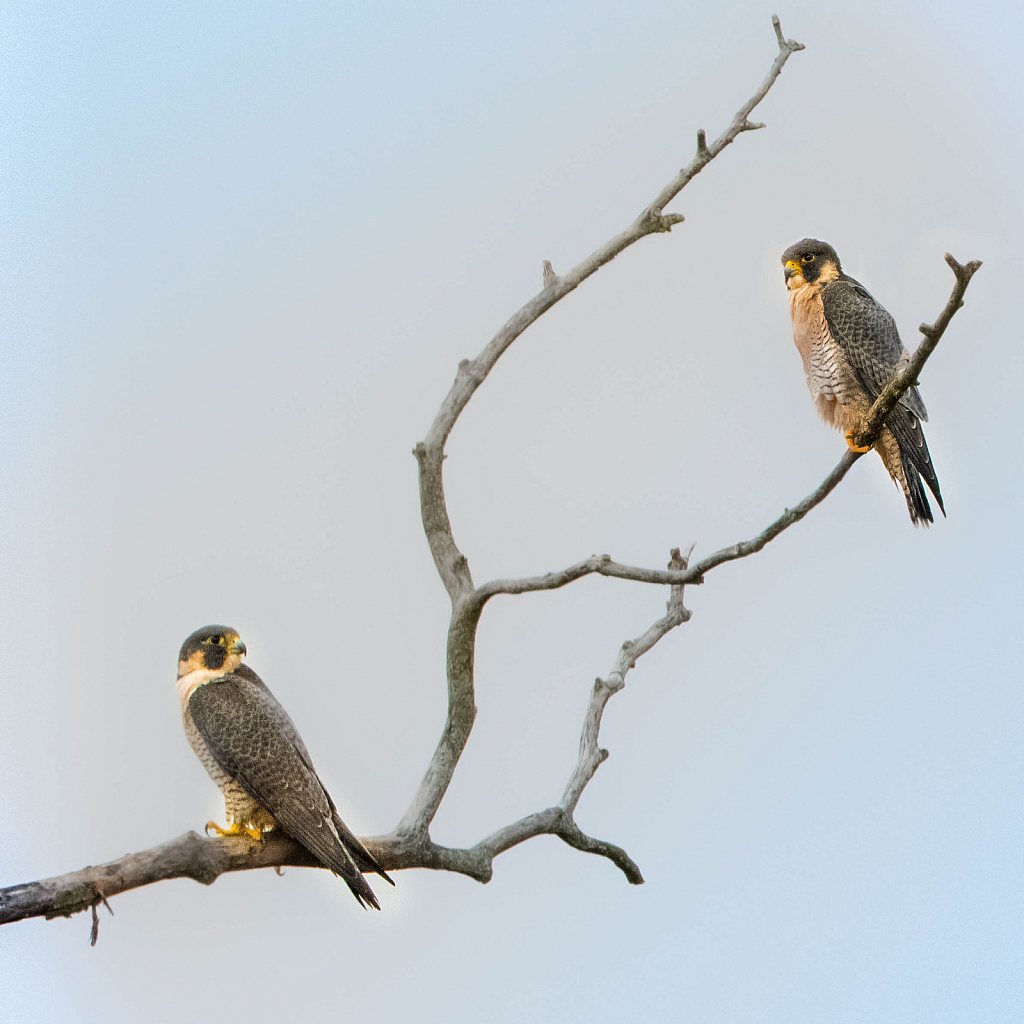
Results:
<point x="784" y="44"/>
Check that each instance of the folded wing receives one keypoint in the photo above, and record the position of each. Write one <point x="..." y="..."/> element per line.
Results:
<point x="252" y="738"/>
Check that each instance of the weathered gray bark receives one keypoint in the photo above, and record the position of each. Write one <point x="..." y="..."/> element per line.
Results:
<point x="409" y="845"/>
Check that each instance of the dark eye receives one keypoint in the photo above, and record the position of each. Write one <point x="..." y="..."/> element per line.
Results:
<point x="809" y="258"/>
<point x="216" y="639"/>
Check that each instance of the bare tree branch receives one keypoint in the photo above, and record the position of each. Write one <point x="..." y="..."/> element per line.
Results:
<point x="678" y="574"/>
<point x="906" y="378"/>
<point x="867" y="434"/>
<point x="591" y="755"/>
<point x="602" y="565"/>
<point x="901" y="382"/>
<point x="204" y="860"/>
<point x="191" y="856"/>
<point x="188" y="856"/>
<point x="451" y="563"/>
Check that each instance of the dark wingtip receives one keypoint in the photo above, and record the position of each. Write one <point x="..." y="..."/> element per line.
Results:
<point x="366" y="862"/>
<point x="917" y="500"/>
<point x="933" y="485"/>
<point x="364" y="895"/>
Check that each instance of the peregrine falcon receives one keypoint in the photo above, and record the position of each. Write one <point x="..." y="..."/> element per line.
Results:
<point x="252" y="750"/>
<point x="850" y="348"/>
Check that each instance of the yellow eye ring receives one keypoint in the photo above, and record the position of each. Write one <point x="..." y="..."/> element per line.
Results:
<point x="809" y="258"/>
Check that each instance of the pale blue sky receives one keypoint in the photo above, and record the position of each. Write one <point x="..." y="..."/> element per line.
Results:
<point x="246" y="248"/>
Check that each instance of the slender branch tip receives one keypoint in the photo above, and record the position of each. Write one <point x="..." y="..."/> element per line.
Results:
<point x="785" y="45"/>
<point x="907" y="372"/>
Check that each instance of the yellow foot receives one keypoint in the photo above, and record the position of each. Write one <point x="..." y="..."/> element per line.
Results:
<point x="236" y="828"/>
<point x="854" y="447"/>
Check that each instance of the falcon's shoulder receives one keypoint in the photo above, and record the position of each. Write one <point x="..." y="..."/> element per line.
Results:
<point x="287" y="725"/>
<point x="252" y="738"/>
<point x="864" y="330"/>
<point x="229" y="711"/>
<point x="349" y="840"/>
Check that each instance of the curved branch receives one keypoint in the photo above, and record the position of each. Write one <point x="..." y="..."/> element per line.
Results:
<point x="651" y="220"/>
<point x="867" y="434"/>
<point x="906" y="378"/>
<point x="204" y="860"/>
<point x="602" y="565"/>
<point x="451" y="563"/>
<point x="188" y="856"/>
<point x="591" y="755"/>
<point x="458" y="724"/>
<point x="786" y="520"/>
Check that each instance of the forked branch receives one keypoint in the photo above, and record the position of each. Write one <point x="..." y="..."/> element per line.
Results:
<point x="204" y="860"/>
<point x="679" y="573"/>
<point x="410" y="845"/>
<point x="906" y="378"/>
<point x="451" y="563"/>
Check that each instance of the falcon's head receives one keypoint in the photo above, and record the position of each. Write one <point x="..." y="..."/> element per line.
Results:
<point x="217" y="648"/>
<point x="807" y="261"/>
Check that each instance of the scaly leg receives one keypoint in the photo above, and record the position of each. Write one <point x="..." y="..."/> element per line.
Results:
<point x="853" y="447"/>
<point x="236" y="828"/>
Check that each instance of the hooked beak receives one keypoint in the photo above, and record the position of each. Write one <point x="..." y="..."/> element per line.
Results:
<point x="237" y="647"/>
<point x="792" y="268"/>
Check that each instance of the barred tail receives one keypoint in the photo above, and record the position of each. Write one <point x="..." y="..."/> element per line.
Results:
<point x="363" y="893"/>
<point x="909" y="463"/>
<point x="917" y="500"/>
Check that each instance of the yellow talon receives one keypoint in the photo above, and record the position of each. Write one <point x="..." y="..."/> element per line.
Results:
<point x="236" y="828"/>
<point x="854" y="447"/>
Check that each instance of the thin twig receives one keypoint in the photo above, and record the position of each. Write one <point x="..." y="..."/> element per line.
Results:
<point x="592" y="756"/>
<point x="601" y="565"/>
<point x="906" y="378"/>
